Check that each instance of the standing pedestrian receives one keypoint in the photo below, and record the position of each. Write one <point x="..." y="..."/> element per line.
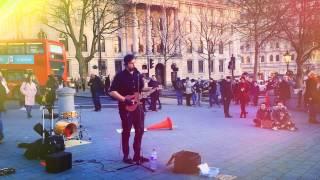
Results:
<point x="50" y="93"/>
<point x="226" y="95"/>
<point x="212" y="92"/>
<point x="4" y="90"/>
<point x="198" y="91"/>
<point x="96" y="88"/>
<point x="107" y="85"/>
<point x="284" y="90"/>
<point x="243" y="96"/>
<point x="312" y="96"/>
<point x="155" y="95"/>
<point x="178" y="86"/>
<point x="188" y="85"/>
<point x="255" y="91"/>
<point x="29" y="90"/>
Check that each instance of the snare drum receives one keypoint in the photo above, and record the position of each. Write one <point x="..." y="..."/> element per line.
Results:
<point x="69" y="115"/>
<point x="68" y="129"/>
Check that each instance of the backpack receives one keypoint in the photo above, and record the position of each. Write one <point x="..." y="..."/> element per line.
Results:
<point x="185" y="162"/>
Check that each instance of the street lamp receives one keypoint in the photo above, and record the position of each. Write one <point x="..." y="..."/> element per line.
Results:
<point x="287" y="59"/>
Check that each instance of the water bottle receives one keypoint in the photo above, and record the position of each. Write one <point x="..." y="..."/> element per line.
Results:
<point x="153" y="160"/>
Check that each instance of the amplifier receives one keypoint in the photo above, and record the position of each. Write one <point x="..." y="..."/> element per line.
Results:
<point x="58" y="162"/>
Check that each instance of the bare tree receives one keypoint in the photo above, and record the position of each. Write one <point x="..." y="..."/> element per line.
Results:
<point x="212" y="33"/>
<point x="171" y="37"/>
<point x="300" y="26"/>
<point x="72" y="17"/>
<point x="257" y="24"/>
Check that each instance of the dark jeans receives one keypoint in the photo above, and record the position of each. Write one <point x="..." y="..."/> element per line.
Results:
<point x="154" y="99"/>
<point x="96" y="101"/>
<point x="312" y="112"/>
<point x="226" y="104"/>
<point x="28" y="108"/>
<point x="188" y="99"/>
<point x="213" y="99"/>
<point x="135" y="118"/>
<point x="243" y="108"/>
<point x="179" y="97"/>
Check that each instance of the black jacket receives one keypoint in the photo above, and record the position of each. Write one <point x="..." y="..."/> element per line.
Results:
<point x="226" y="89"/>
<point x="96" y="86"/>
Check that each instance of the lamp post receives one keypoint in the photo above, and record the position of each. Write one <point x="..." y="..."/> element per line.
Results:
<point x="287" y="59"/>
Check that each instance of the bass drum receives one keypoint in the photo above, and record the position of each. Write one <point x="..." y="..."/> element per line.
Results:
<point x="68" y="129"/>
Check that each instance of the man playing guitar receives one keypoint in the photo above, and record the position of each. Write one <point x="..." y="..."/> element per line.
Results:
<point x="126" y="88"/>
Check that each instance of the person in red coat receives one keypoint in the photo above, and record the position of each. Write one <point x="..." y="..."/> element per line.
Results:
<point x="243" y="96"/>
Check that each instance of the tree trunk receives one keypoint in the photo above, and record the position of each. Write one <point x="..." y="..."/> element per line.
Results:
<point x="165" y="74"/>
<point x="299" y="77"/>
<point x="256" y="62"/>
<point x="83" y="66"/>
<point x="209" y="60"/>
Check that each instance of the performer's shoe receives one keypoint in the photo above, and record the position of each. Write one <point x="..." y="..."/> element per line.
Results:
<point x="127" y="160"/>
<point x="140" y="160"/>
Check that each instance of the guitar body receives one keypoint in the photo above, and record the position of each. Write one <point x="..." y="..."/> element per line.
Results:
<point x="136" y="102"/>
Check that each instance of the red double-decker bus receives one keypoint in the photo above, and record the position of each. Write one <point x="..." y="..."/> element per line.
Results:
<point x="40" y="57"/>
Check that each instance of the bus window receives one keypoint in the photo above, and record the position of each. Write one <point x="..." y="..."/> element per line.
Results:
<point x="3" y="48"/>
<point x="16" y="48"/>
<point x="35" y="48"/>
<point x="57" y="68"/>
<point x="55" y="49"/>
<point x="56" y="56"/>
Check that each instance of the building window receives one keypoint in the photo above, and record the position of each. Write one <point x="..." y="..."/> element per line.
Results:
<point x="292" y="57"/>
<point x="189" y="66"/>
<point x="242" y="59"/>
<point x="140" y="47"/>
<point x="189" y="46"/>
<point x="200" y="50"/>
<point x="118" y="65"/>
<point x="119" y="44"/>
<point x="248" y="59"/>
<point x="277" y="45"/>
<point x="190" y="28"/>
<point x="221" y="47"/>
<point x="262" y="59"/>
<point x="151" y="23"/>
<point x="63" y="38"/>
<point x="277" y="57"/>
<point x="103" y="67"/>
<point x="211" y="65"/>
<point x="271" y="58"/>
<point x="201" y="69"/>
<point x="102" y="44"/>
<point x="153" y="46"/>
<point x="221" y="65"/>
<point x="84" y="45"/>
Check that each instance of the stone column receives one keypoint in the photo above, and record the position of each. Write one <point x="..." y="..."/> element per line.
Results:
<point x="66" y="99"/>
<point x="148" y="31"/>
<point x="134" y="30"/>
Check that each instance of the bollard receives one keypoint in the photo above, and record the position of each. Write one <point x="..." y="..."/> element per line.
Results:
<point x="65" y="99"/>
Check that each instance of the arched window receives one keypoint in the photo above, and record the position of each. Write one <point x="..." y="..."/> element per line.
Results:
<point x="262" y="59"/>
<point x="271" y="58"/>
<point x="277" y="57"/>
<point x="63" y="38"/>
<point x="200" y="50"/>
<point x="84" y="45"/>
<point x="189" y="46"/>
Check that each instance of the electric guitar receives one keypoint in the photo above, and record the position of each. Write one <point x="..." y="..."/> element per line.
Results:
<point x="135" y="98"/>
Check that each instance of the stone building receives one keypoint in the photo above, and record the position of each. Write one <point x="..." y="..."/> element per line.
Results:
<point x="151" y="19"/>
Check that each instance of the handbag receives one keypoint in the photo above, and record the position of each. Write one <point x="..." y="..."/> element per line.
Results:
<point x="185" y="162"/>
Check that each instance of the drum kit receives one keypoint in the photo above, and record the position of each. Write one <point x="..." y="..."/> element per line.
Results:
<point x="68" y="124"/>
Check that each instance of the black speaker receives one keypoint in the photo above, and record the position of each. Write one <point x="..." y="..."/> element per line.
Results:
<point x="58" y="162"/>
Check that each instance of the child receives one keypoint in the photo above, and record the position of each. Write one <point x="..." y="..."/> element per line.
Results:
<point x="262" y="114"/>
<point x="282" y="119"/>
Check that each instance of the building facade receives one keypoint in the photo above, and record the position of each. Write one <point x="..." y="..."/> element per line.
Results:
<point x="152" y="21"/>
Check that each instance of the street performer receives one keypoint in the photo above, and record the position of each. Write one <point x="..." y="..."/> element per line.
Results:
<point x="126" y="86"/>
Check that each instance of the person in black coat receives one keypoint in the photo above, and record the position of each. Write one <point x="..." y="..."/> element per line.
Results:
<point x="312" y="96"/>
<point x="284" y="90"/>
<point x="155" y="95"/>
<point x="50" y="92"/>
<point x="96" y="88"/>
<point x="226" y="95"/>
<point x="107" y="84"/>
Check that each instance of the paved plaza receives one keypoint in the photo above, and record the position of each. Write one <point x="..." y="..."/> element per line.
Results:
<point x="234" y="145"/>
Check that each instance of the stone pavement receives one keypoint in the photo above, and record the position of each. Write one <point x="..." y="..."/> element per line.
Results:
<point x="233" y="145"/>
